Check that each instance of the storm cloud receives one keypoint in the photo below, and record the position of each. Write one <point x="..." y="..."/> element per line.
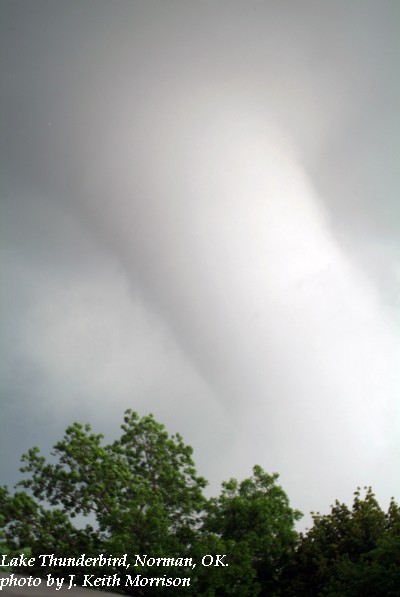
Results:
<point x="199" y="220"/>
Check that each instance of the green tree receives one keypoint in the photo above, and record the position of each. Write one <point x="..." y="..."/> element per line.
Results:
<point x="350" y="552"/>
<point x="7" y="547"/>
<point x="141" y="494"/>
<point x="253" y="523"/>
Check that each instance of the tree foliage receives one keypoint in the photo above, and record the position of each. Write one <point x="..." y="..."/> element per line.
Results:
<point x="351" y="552"/>
<point x="141" y="495"/>
<point x="254" y="523"/>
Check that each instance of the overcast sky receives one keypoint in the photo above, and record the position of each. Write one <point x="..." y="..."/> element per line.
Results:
<point x="200" y="219"/>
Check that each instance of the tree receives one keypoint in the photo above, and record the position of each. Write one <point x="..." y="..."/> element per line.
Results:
<point x="253" y="522"/>
<point x="350" y="552"/>
<point x="140" y="494"/>
<point x="7" y="547"/>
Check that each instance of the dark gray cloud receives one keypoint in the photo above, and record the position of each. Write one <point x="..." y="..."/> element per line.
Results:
<point x="199" y="220"/>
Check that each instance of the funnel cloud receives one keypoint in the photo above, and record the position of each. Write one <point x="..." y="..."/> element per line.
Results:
<point x="199" y="221"/>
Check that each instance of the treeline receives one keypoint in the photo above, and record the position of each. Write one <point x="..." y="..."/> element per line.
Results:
<point x="141" y="495"/>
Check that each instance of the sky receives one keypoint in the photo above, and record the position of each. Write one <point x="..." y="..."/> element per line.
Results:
<point x="200" y="219"/>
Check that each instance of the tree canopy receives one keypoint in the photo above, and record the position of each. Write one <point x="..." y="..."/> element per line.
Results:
<point x="141" y="494"/>
<point x="351" y="552"/>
